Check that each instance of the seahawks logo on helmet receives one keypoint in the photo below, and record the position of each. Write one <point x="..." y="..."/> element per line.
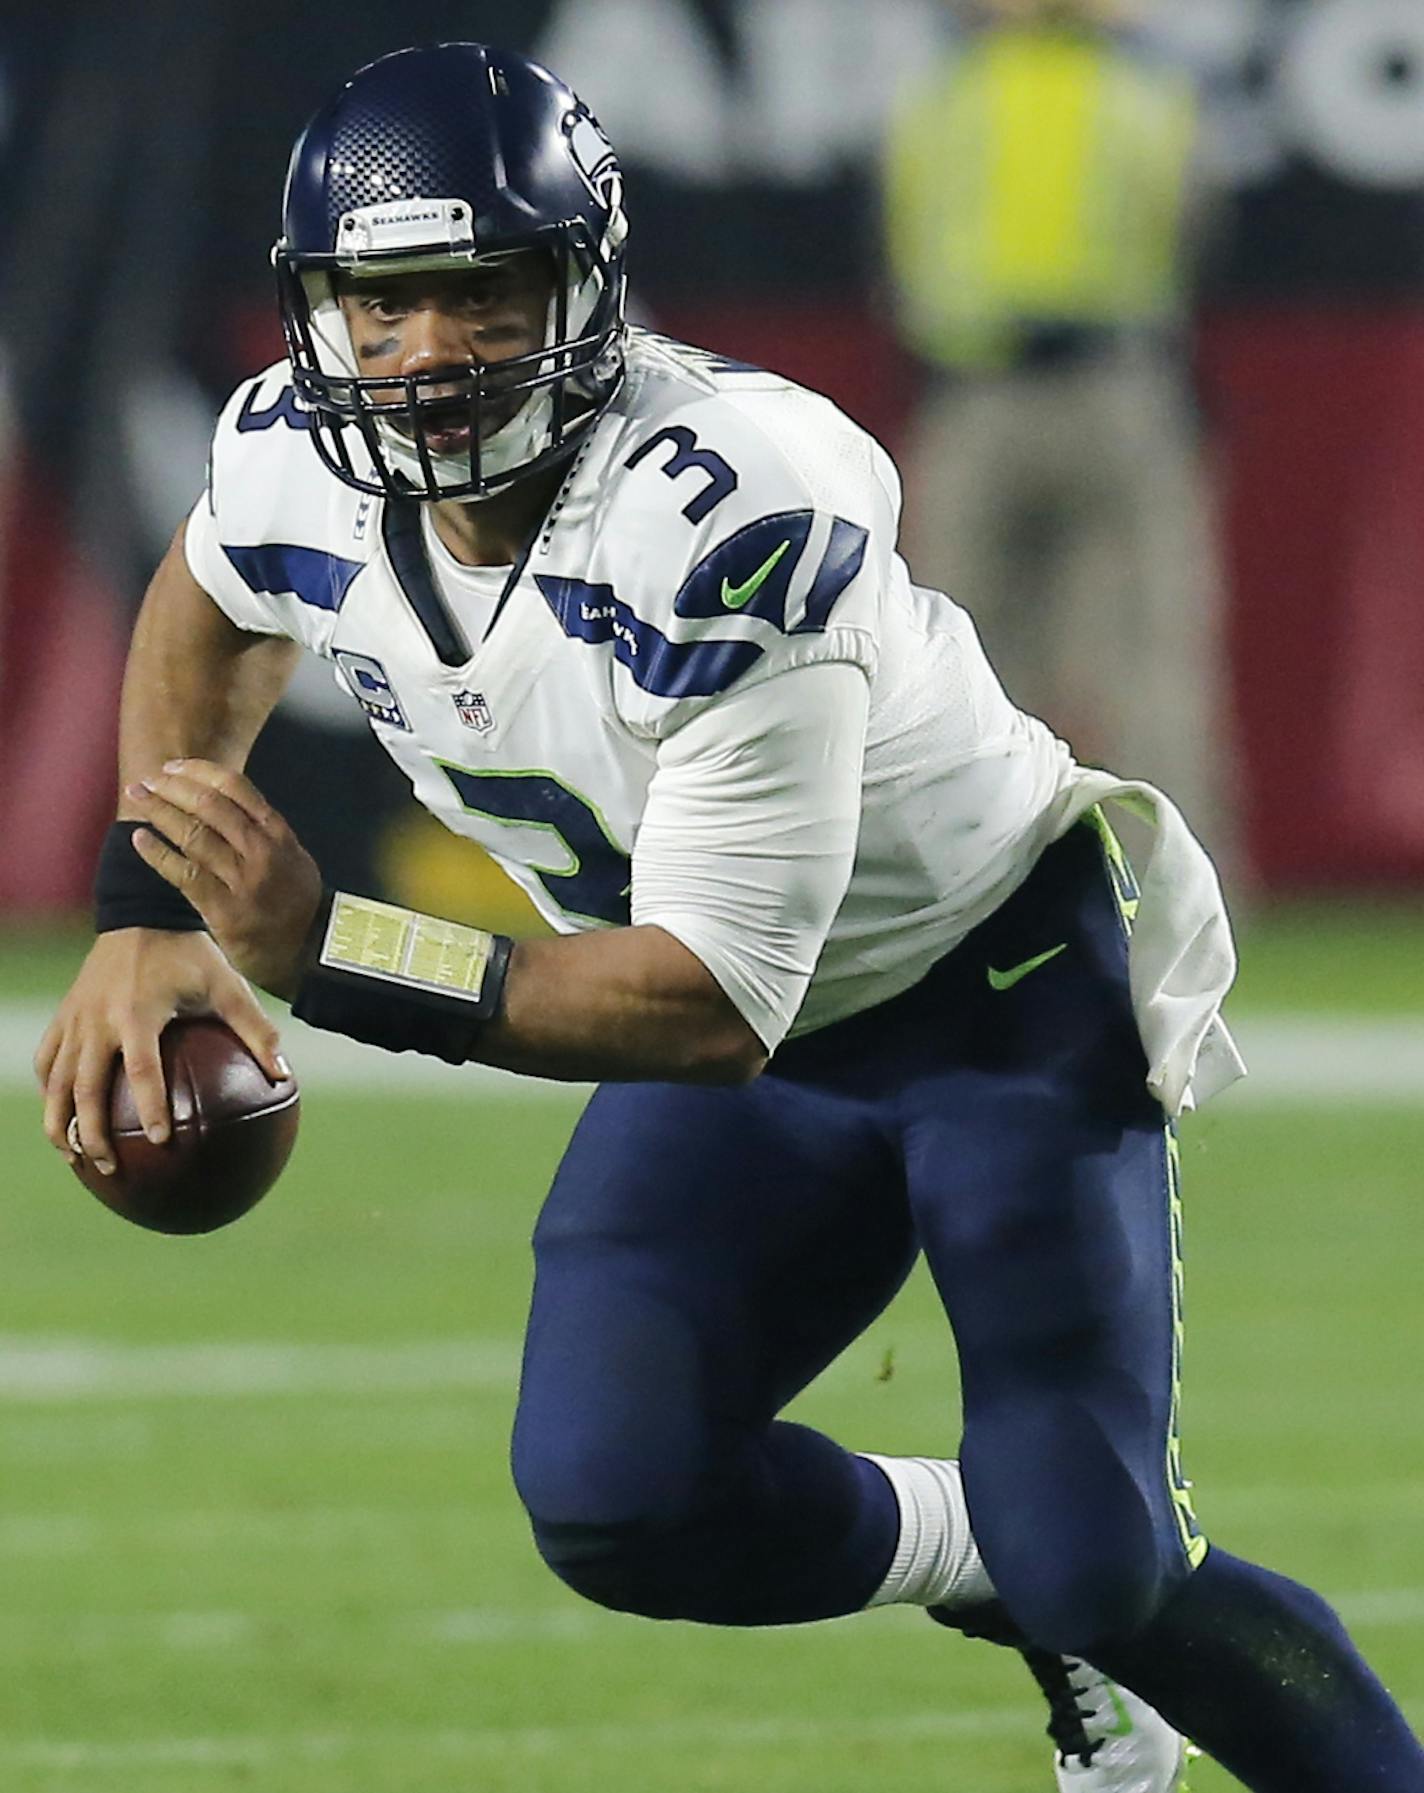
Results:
<point x="597" y="164"/>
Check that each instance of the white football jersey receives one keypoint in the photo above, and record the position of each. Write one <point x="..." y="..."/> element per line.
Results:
<point x="721" y="530"/>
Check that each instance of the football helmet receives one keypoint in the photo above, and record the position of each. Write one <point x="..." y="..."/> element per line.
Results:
<point x="442" y="158"/>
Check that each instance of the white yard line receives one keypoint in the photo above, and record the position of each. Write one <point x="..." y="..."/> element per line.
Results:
<point x="50" y="1371"/>
<point x="1371" y="1060"/>
<point x="103" y="1633"/>
<point x="95" y="1633"/>
<point x="39" y="1370"/>
<point x="200" y="1529"/>
<point x="1377" y="1061"/>
<point x="453" y="1744"/>
<point x="266" y="1750"/>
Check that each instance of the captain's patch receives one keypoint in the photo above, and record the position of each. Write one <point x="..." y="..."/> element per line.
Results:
<point x="366" y="680"/>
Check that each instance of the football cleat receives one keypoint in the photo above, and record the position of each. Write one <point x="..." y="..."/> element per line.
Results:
<point x="1108" y="1740"/>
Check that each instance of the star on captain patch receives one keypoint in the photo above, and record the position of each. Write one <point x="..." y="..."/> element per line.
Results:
<point x="473" y="711"/>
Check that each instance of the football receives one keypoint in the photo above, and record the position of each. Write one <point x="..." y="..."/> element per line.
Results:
<point x="233" y="1131"/>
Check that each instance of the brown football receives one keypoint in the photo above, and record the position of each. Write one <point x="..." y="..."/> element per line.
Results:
<point x="233" y="1131"/>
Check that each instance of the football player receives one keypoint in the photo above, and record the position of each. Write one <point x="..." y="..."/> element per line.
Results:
<point x="843" y="936"/>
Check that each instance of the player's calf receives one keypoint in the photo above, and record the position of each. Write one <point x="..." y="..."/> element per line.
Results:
<point x="1107" y="1740"/>
<point x="614" y="1566"/>
<point x="767" y="1525"/>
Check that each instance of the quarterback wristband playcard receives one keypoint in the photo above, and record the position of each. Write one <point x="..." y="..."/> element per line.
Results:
<point x="420" y="952"/>
<point x="401" y="980"/>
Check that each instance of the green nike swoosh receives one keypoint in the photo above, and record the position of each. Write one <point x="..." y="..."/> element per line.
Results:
<point x="735" y="597"/>
<point x="1123" y="1727"/>
<point x="1005" y="980"/>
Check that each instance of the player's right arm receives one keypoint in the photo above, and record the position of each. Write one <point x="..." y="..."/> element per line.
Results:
<point x="195" y="686"/>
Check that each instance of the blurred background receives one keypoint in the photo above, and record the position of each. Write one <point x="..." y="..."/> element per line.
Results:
<point x="1135" y="293"/>
<point x="1146" y="329"/>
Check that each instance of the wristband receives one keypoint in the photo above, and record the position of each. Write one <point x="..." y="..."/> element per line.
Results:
<point x="401" y="980"/>
<point x="128" y="893"/>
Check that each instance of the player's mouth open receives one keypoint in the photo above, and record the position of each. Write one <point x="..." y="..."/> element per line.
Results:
<point x="447" y="431"/>
<point x="446" y="428"/>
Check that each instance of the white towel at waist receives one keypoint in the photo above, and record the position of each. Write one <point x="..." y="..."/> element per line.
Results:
<point x="1181" y="956"/>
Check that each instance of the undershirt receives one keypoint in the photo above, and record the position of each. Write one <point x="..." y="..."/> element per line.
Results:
<point x="471" y="593"/>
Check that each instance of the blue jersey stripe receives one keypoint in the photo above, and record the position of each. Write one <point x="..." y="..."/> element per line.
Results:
<point x="317" y="578"/>
<point x="665" y="668"/>
<point x="842" y="561"/>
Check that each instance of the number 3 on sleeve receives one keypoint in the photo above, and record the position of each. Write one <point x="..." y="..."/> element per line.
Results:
<point x="722" y="479"/>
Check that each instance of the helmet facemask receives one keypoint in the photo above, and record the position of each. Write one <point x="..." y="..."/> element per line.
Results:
<point x="557" y="390"/>
<point x="523" y="166"/>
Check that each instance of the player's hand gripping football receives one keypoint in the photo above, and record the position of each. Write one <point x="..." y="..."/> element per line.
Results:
<point x="134" y="981"/>
<point x="237" y="862"/>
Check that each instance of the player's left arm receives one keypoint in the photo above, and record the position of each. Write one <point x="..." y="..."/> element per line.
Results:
<point x="743" y="857"/>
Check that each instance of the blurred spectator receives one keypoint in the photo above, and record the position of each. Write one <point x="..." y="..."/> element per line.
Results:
<point x="1038" y="209"/>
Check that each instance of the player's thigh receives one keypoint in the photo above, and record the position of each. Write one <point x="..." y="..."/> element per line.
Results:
<point x="702" y="1255"/>
<point x="1064" y="1309"/>
<point x="1056" y="1262"/>
<point x="1043" y="1186"/>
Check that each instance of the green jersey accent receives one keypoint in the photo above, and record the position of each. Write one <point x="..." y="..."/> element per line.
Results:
<point x="1005" y="980"/>
<point x="736" y="597"/>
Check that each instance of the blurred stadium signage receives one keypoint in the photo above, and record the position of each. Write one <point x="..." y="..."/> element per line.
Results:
<point x="784" y="93"/>
<point x="1352" y="89"/>
<point x="789" y="91"/>
<point x="750" y="132"/>
<point x="1316" y="120"/>
<point x="1313" y="354"/>
<point x="1340" y="82"/>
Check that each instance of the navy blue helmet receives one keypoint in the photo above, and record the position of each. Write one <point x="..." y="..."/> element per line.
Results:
<point x="450" y="157"/>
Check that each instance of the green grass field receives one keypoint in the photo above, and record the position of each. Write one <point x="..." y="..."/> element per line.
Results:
<point x="256" y="1522"/>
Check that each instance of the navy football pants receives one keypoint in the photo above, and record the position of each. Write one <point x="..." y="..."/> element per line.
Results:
<point x="704" y="1253"/>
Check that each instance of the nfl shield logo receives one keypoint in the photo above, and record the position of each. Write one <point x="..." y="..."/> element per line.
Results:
<point x="473" y="711"/>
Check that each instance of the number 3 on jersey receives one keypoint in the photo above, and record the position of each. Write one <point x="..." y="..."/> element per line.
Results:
<point x="594" y="883"/>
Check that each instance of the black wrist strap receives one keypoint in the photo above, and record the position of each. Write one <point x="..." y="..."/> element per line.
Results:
<point x="130" y="894"/>
<point x="401" y="980"/>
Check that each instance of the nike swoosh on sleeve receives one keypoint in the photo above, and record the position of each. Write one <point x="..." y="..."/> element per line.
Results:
<point x="737" y="597"/>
